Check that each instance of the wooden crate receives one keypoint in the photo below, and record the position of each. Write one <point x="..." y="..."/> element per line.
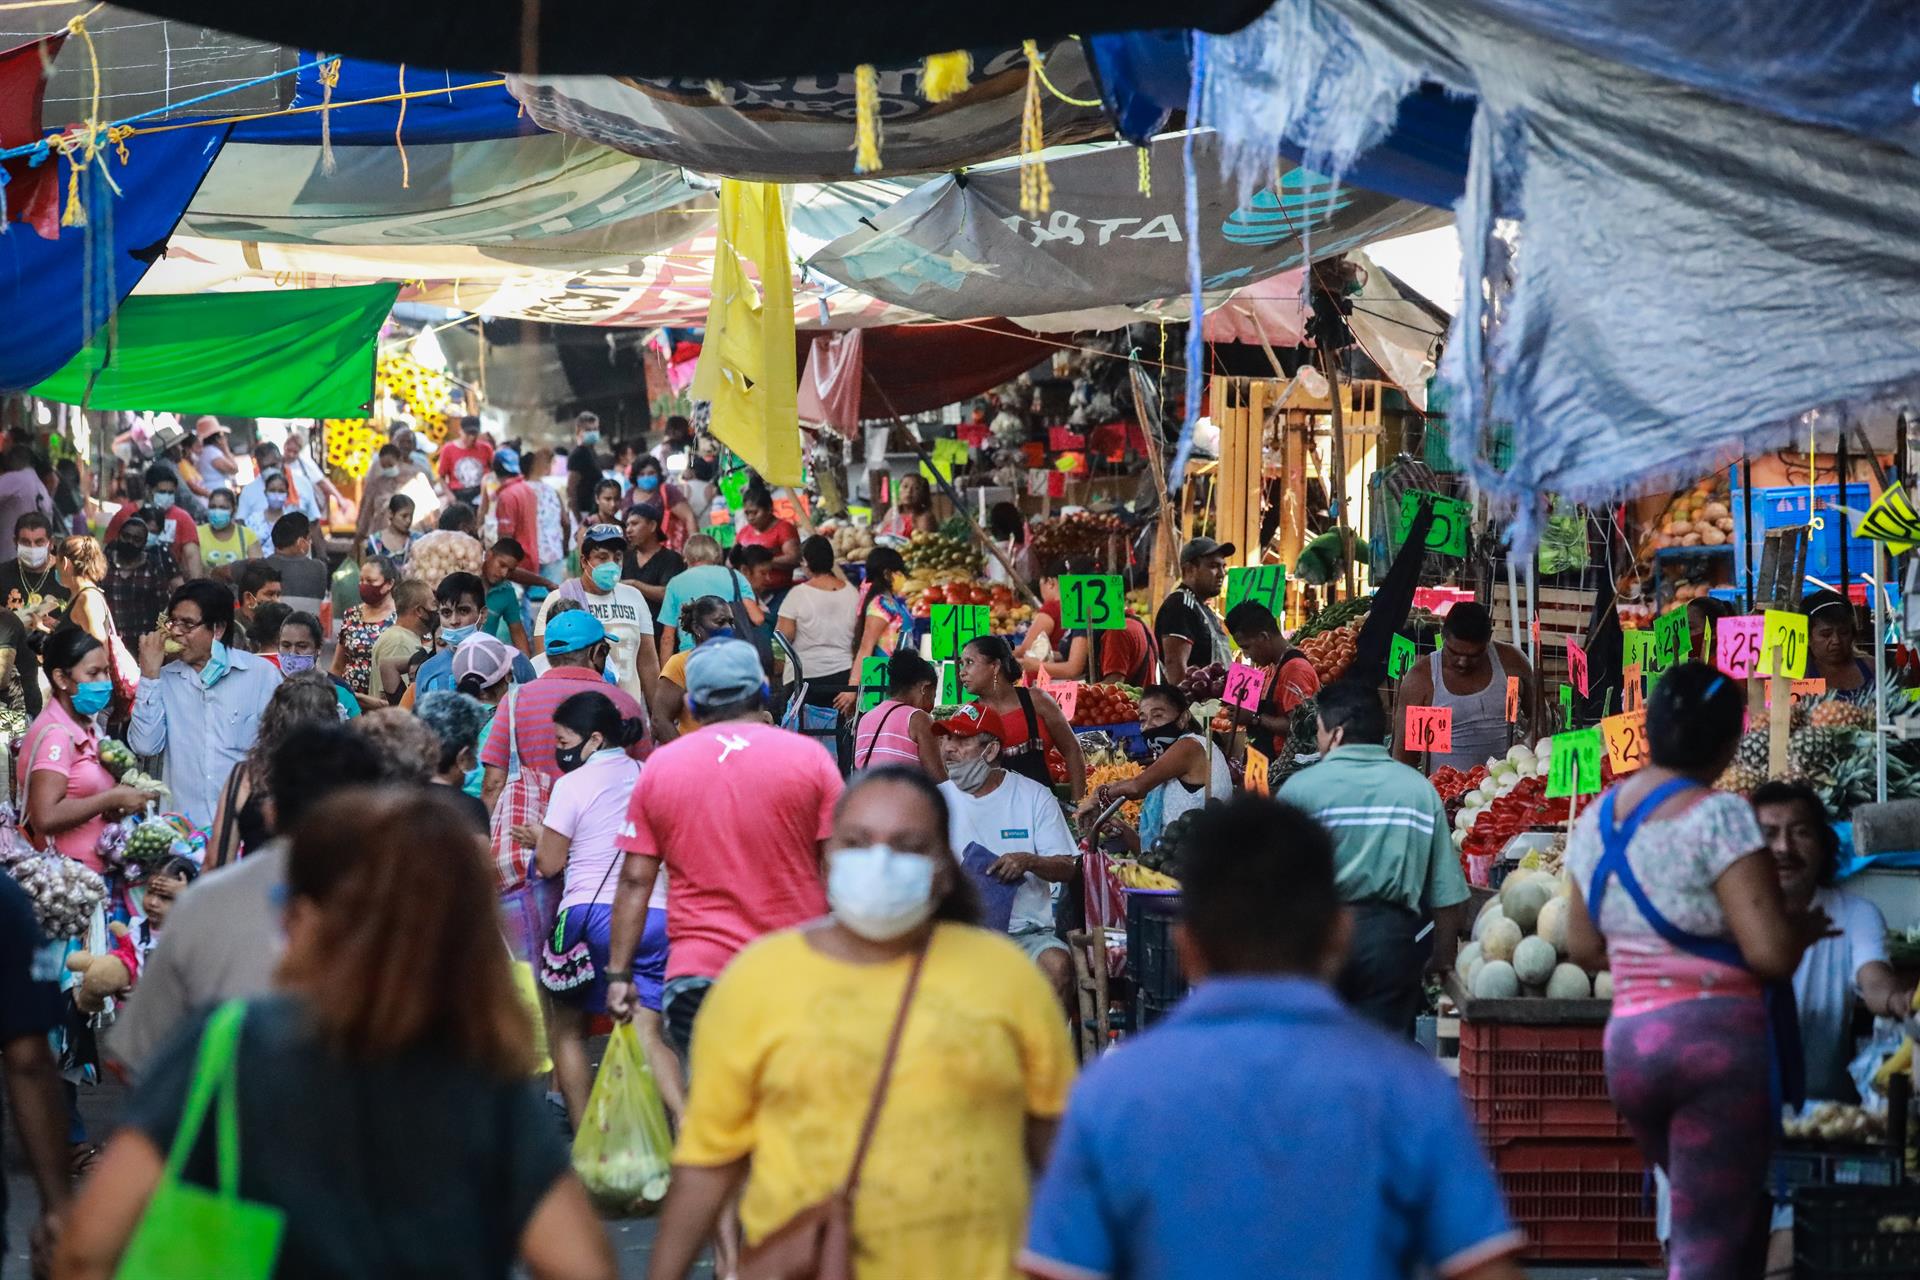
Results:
<point x="1563" y="611"/>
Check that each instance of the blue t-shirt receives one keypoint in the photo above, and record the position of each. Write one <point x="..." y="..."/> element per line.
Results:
<point x="503" y="606"/>
<point x="1263" y="1129"/>
<point x="437" y="673"/>
<point x="701" y="580"/>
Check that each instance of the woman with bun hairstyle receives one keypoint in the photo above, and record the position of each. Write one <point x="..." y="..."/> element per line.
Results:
<point x="583" y="820"/>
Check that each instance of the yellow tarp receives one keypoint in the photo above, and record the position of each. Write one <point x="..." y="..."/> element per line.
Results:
<point x="747" y="360"/>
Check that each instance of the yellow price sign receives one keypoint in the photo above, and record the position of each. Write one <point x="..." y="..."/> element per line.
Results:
<point x="1783" y="652"/>
<point x="1255" y="779"/>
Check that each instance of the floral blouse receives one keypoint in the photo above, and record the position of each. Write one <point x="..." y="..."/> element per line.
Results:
<point x="357" y="635"/>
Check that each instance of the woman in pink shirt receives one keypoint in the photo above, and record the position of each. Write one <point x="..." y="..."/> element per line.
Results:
<point x="70" y="794"/>
<point x="899" y="730"/>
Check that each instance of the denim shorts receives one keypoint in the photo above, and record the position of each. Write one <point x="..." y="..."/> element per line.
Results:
<point x="680" y="1002"/>
<point x="594" y="924"/>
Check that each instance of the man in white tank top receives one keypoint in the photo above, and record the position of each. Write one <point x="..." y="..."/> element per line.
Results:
<point x="1468" y="674"/>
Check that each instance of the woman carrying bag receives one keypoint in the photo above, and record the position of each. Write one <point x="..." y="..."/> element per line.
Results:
<point x="897" y="1137"/>
<point x="365" y="1122"/>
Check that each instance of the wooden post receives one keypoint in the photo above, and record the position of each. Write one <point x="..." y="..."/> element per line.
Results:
<point x="1330" y="364"/>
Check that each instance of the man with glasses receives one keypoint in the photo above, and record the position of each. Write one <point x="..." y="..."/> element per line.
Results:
<point x="200" y="701"/>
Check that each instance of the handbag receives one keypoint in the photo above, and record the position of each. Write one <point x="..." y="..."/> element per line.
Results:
<point x="744" y="628"/>
<point x="522" y="801"/>
<point x="564" y="970"/>
<point x="189" y="1232"/>
<point x="817" y="1242"/>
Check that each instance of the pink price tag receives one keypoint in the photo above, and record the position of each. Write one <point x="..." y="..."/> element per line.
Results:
<point x="1245" y="686"/>
<point x="1577" y="665"/>
<point x="1736" y="645"/>
<point x="1064" y="692"/>
<point x="1430" y="729"/>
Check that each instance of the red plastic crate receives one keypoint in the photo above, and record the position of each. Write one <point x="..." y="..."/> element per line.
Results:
<point x="1536" y="1082"/>
<point x="1579" y="1201"/>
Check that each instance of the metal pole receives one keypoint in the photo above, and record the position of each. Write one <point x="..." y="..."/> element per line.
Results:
<point x="1846" y="578"/>
<point x="1880" y="727"/>
<point x="1746" y="471"/>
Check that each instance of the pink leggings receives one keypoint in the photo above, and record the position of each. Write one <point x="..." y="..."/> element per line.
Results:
<point x="1692" y="1082"/>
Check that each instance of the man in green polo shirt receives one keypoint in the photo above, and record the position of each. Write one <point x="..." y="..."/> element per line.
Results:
<point x="1395" y="865"/>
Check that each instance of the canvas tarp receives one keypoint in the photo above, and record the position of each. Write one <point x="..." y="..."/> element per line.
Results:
<point x="961" y="247"/>
<point x="1658" y="278"/>
<point x="300" y="353"/>
<point x="802" y="129"/>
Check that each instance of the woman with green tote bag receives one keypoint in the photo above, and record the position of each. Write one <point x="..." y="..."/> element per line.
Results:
<point x="370" y="1117"/>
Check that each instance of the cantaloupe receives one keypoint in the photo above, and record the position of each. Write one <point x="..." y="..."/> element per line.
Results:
<point x="1495" y="981"/>
<point x="1569" y="982"/>
<point x="1522" y="898"/>
<point x="1501" y="937"/>
<point x="1489" y="915"/>
<point x="1533" y="960"/>
<point x="1603" y="985"/>
<point x="1551" y="924"/>
<point x="1468" y="954"/>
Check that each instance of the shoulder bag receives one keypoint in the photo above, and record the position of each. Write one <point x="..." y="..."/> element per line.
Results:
<point x="189" y="1232"/>
<point x="522" y="802"/>
<point x="817" y="1242"/>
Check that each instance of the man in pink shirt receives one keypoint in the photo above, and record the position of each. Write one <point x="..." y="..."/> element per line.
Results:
<point x="577" y="647"/>
<point x="517" y="506"/>
<point x="736" y="811"/>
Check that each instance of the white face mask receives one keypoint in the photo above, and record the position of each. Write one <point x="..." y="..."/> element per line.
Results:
<point x="879" y="894"/>
<point x="32" y="557"/>
<point x="970" y="775"/>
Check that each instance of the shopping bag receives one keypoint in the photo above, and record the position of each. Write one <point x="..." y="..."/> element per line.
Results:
<point x="189" y="1232"/>
<point x="528" y="987"/>
<point x="623" y="1152"/>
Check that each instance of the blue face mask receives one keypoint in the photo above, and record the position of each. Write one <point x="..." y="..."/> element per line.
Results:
<point x="589" y="437"/>
<point x="606" y="576"/>
<point x="218" y="664"/>
<point x="648" y="483"/>
<point x="90" y="697"/>
<point x="456" y="636"/>
<point x="219" y="517"/>
<point x="162" y="499"/>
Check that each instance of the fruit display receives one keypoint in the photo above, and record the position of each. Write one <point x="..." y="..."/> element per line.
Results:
<point x="1519" y="944"/>
<point x="1700" y="517"/>
<point x="117" y="757"/>
<point x="64" y="893"/>
<point x="1511" y="798"/>
<point x="1830" y="748"/>
<point x="1009" y="615"/>
<point x="851" y="542"/>
<point x="1331" y="652"/>
<point x="1300" y="750"/>
<point x="442" y="552"/>
<point x="1101" y="704"/>
<point x="1135" y="876"/>
<point x="1081" y="536"/>
<point x="1834" y="1122"/>
<point x="1334" y="616"/>
<point x="1117" y="771"/>
<point x="945" y="551"/>
<point x="1204" y="684"/>
<point x="1165" y="854"/>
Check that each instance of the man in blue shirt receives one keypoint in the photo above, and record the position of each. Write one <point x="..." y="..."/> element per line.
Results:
<point x="462" y="598"/>
<point x="200" y="701"/>
<point x="1263" y="1129"/>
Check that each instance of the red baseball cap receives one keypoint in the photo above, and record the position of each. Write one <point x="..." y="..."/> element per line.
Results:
<point x="970" y="721"/>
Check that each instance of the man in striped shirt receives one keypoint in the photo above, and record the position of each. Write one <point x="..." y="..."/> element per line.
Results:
<point x="1394" y="867"/>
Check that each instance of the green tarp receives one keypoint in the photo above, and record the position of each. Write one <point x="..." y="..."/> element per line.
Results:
<point x="298" y="353"/>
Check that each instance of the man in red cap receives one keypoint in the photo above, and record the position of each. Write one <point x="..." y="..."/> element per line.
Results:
<point x="1010" y="835"/>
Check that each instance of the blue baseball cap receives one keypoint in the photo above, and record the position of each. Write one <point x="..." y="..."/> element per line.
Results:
<point x="572" y="631"/>
<point x="509" y="460"/>
<point x="722" y="671"/>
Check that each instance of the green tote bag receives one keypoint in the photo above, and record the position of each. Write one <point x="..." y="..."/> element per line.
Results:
<point x="189" y="1232"/>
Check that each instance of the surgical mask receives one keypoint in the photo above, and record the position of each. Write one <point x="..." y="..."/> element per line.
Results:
<point x="571" y="758"/>
<point x="219" y="517"/>
<point x="590" y="437"/>
<point x="292" y="664"/>
<point x="162" y="499"/>
<point x="218" y="664"/>
<point x="648" y="483"/>
<point x="90" y="697"/>
<point x="970" y="775"/>
<point x="276" y="497"/>
<point x="32" y="557"/>
<point x="456" y="636"/>
<point x="389" y="472"/>
<point x="880" y="894"/>
<point x="606" y="576"/>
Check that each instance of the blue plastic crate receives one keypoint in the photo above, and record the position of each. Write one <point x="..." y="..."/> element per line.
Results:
<point x="1787" y="505"/>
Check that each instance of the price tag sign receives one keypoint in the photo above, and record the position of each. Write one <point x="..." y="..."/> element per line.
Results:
<point x="952" y="694"/>
<point x="1633" y="688"/>
<point x="1577" y="665"/>
<point x="1566" y="706"/>
<point x="1093" y="600"/>
<point x="733" y="487"/>
<point x="954" y="625"/>
<point x="1255" y="777"/>
<point x="1636" y="649"/>
<point x="1626" y="737"/>
<point x="1513" y="699"/>
<point x="1783" y="650"/>
<point x="1400" y="657"/>
<point x="1672" y="642"/>
<point x="1574" y="768"/>
<point x="1736" y="646"/>
<point x="1265" y="584"/>
<point x="1448" y="534"/>
<point x="1815" y="688"/>
<point x="873" y="683"/>
<point x="1430" y="729"/>
<point x="1245" y="686"/>
<point x="1064" y="692"/>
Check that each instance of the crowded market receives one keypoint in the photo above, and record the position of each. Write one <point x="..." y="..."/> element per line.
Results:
<point x="959" y="648"/>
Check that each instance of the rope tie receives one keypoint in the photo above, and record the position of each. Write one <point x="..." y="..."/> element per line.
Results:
<point x="329" y="77"/>
<point x="406" y="171"/>
<point x="866" y="118"/>
<point x="1036" y="188"/>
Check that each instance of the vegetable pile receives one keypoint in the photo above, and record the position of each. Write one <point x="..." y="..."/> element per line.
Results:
<point x="1519" y="945"/>
<point x="1102" y="704"/>
<point x="1510" y="798"/>
<point x="442" y="552"/>
<point x="1334" y="616"/>
<point x="64" y="893"/>
<point x="1203" y="684"/>
<point x="944" y="551"/>
<point x="1081" y="536"/>
<point x="1331" y="652"/>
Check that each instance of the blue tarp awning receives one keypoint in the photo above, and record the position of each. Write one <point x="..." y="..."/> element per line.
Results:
<point x="463" y="115"/>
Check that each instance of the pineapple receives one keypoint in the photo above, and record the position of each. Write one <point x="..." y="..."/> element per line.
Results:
<point x="1753" y="753"/>
<point x="1740" y="778"/>
<point x="1817" y="753"/>
<point x="1836" y="713"/>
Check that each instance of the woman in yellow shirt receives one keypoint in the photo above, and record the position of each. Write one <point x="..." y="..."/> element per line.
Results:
<point x="789" y="1044"/>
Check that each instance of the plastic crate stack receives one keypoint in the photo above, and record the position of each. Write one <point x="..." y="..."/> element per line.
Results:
<point x="1151" y="958"/>
<point x="1573" y="1179"/>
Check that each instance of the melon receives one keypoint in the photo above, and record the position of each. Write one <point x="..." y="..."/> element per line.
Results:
<point x="1603" y="985"/>
<point x="1521" y="898"/>
<point x="1469" y="971"/>
<point x="1569" y="982"/>
<point x="1533" y="960"/>
<point x="1552" y="924"/>
<point x="1468" y="954"/>
<point x="1495" y="981"/>
<point x="1500" y="939"/>
<point x="1489" y="914"/>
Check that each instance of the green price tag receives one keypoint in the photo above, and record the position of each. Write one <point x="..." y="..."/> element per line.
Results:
<point x="1672" y="641"/>
<point x="1574" y="768"/>
<point x="1093" y="600"/>
<point x="1451" y="516"/>
<point x="951" y="692"/>
<point x="734" y="487"/>
<point x="1566" y="706"/>
<point x="954" y="625"/>
<point x="722" y="534"/>
<point x="1636" y="650"/>
<point x="1400" y="657"/>
<point x="873" y="683"/>
<point x="1265" y="584"/>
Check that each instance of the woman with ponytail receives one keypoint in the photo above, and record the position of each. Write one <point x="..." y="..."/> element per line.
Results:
<point x="583" y="820"/>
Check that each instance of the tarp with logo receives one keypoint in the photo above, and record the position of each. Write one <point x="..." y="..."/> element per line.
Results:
<point x="961" y="247"/>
